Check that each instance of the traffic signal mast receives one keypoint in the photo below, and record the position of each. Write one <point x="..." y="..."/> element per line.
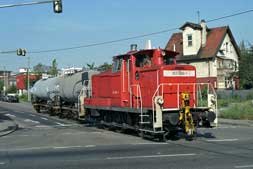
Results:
<point x="57" y="4"/>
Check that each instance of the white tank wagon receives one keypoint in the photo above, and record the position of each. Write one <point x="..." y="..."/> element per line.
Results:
<point x="46" y="89"/>
<point x="61" y="95"/>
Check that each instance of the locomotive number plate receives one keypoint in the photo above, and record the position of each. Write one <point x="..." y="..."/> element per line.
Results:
<point x="171" y="73"/>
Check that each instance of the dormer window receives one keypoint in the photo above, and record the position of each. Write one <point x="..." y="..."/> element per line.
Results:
<point x="189" y="39"/>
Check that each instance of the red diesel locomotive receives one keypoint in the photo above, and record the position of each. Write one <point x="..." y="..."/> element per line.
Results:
<point x="149" y="92"/>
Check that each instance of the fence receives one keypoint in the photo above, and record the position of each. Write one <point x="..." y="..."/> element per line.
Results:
<point x="237" y="94"/>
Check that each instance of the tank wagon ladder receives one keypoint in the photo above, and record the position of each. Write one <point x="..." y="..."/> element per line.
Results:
<point x="85" y="92"/>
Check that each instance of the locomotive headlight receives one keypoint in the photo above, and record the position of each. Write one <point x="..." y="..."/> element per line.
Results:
<point x="163" y="53"/>
<point x="160" y="101"/>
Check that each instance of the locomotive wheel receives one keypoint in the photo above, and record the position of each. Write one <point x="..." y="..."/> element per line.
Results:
<point x="206" y="124"/>
<point x="51" y="112"/>
<point x="37" y="109"/>
<point x="141" y="134"/>
<point x="101" y="125"/>
<point x="161" y="137"/>
<point x="171" y="135"/>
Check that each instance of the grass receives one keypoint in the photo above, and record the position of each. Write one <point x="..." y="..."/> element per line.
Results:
<point x="242" y="110"/>
<point x="226" y="102"/>
<point x="23" y="98"/>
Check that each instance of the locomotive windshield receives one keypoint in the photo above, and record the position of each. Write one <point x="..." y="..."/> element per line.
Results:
<point x="168" y="59"/>
<point x="117" y="65"/>
<point x="143" y="60"/>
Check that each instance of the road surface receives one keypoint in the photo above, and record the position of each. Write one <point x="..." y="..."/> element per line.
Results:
<point x="47" y="142"/>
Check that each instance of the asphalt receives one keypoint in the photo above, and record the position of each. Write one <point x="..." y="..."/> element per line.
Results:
<point x="248" y="123"/>
<point x="7" y="125"/>
<point x="46" y="145"/>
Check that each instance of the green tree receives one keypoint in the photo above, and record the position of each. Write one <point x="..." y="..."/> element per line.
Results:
<point x="246" y="67"/>
<point x="39" y="69"/>
<point x="91" y="66"/>
<point x="12" y="89"/>
<point x="54" y="71"/>
<point x="105" y="67"/>
<point x="1" y="85"/>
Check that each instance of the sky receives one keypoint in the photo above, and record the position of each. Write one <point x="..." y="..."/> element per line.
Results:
<point x="85" y="22"/>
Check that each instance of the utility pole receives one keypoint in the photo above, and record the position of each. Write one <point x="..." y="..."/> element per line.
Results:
<point x="4" y="87"/>
<point x="28" y="79"/>
<point x="22" y="52"/>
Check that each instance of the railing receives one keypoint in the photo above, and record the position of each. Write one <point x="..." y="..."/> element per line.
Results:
<point x="197" y="97"/>
<point x="138" y="95"/>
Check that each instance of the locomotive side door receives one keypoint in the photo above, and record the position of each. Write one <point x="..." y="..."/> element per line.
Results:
<point x="130" y="87"/>
<point x="125" y="82"/>
<point x="134" y="84"/>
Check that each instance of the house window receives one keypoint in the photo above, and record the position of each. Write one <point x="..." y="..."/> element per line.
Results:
<point x="189" y="39"/>
<point x="227" y="47"/>
<point x="235" y="65"/>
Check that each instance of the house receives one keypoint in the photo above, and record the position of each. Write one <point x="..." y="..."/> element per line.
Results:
<point x="213" y="51"/>
<point x="21" y="81"/>
<point x="5" y="76"/>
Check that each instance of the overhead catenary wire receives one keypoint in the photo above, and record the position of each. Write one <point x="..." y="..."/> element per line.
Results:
<point x="229" y="16"/>
<point x="105" y="42"/>
<point x="127" y="38"/>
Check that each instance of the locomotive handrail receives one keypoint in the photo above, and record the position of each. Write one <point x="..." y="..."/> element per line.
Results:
<point x="139" y="96"/>
<point x="162" y="85"/>
<point x="156" y="93"/>
<point x="138" y="91"/>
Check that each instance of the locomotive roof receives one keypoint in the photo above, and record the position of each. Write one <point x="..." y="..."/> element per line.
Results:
<point x="145" y="51"/>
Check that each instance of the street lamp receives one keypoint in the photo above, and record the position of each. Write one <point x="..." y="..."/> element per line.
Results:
<point x="22" y="52"/>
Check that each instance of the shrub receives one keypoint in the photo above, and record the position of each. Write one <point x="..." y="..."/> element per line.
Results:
<point x="249" y="95"/>
<point x="23" y="97"/>
<point x="243" y="110"/>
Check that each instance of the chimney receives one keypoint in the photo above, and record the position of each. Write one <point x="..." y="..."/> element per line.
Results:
<point x="148" y="45"/>
<point x="133" y="47"/>
<point x="203" y="32"/>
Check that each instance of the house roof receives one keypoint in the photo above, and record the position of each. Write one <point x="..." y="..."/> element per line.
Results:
<point x="192" y="25"/>
<point x="215" y="37"/>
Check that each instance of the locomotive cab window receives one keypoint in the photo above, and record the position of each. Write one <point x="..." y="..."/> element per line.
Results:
<point x="117" y="65"/>
<point x="168" y="60"/>
<point x="142" y="60"/>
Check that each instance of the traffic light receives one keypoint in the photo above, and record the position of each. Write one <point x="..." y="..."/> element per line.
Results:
<point x="21" y="52"/>
<point x="57" y="6"/>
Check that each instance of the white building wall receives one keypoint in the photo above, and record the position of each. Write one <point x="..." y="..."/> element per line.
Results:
<point x="228" y="49"/>
<point x="213" y="68"/>
<point x="205" y="69"/>
<point x="196" y="41"/>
